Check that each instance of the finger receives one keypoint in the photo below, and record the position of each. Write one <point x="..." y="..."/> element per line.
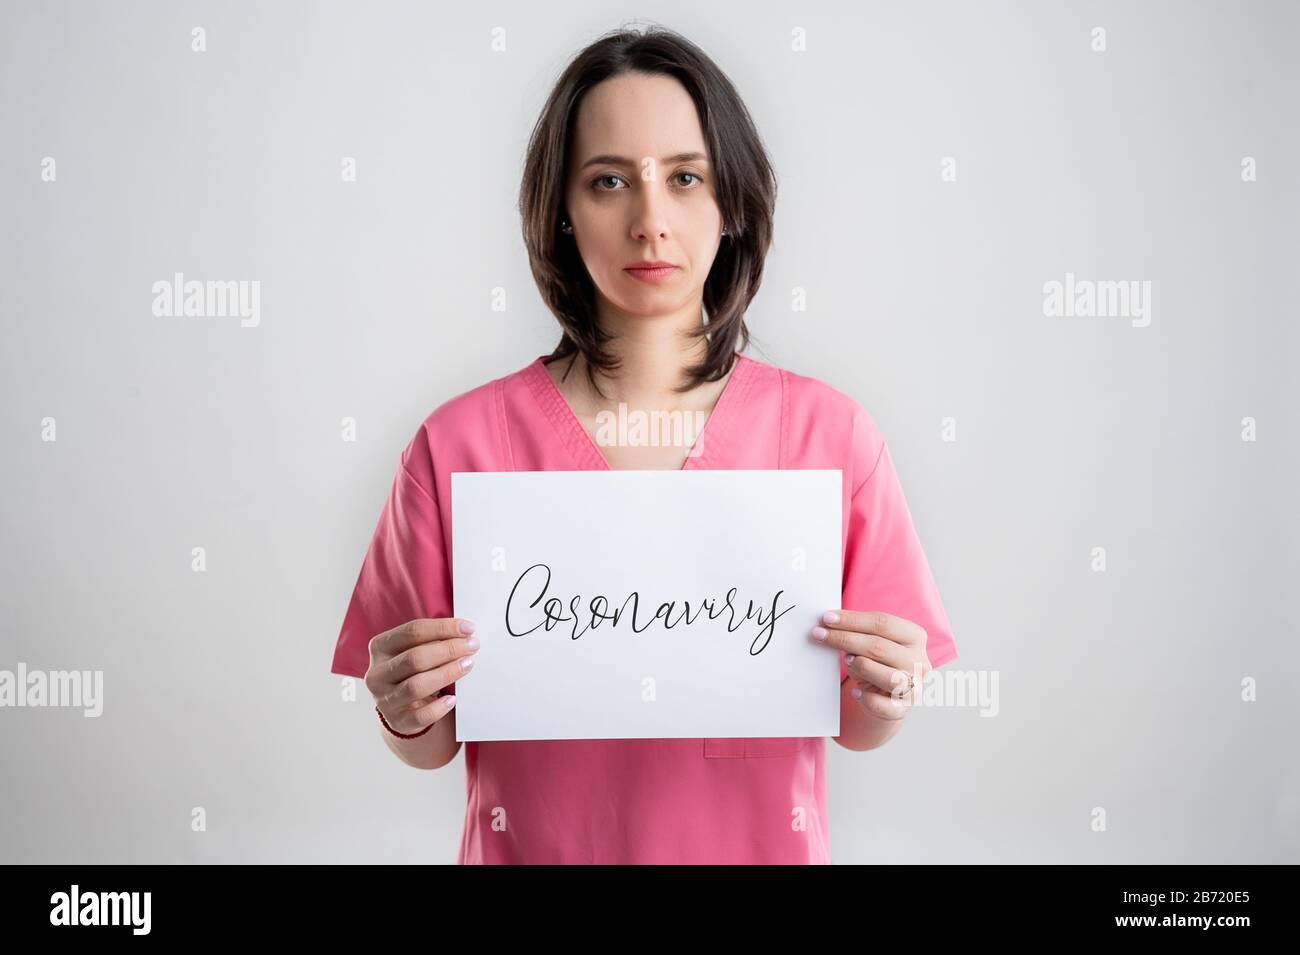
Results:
<point x="880" y="704"/>
<point x="413" y="632"/>
<point x="414" y="719"/>
<point x="426" y="656"/>
<point x="880" y="649"/>
<point x="879" y="675"/>
<point x="427" y="683"/>
<point x="874" y="621"/>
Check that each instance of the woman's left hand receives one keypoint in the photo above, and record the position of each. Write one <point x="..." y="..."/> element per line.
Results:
<point x="882" y="653"/>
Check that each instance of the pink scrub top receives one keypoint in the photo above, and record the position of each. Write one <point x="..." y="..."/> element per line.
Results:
<point x="628" y="801"/>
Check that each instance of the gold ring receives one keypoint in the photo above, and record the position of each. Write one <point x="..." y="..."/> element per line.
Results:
<point x="911" y="683"/>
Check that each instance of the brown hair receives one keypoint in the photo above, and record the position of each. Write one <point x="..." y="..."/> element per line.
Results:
<point x="743" y="176"/>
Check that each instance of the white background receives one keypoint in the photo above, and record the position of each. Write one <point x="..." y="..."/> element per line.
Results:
<point x="1119" y="690"/>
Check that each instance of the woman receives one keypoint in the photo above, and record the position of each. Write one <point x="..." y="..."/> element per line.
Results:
<point x="647" y="205"/>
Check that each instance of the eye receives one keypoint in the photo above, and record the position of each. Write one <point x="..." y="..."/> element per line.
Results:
<point x="692" y="175"/>
<point x="598" y="179"/>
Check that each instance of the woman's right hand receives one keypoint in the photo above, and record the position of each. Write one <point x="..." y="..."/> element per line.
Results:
<point x="412" y="663"/>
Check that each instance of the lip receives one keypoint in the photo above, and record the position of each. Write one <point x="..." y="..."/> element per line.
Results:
<point x="651" y="271"/>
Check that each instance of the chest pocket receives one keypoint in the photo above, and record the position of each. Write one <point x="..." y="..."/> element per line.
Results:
<point x="727" y="747"/>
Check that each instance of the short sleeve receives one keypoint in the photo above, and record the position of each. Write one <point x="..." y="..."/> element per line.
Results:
<point x="885" y="567"/>
<point x="405" y="574"/>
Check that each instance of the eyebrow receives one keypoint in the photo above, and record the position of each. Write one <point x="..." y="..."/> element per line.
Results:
<point x="608" y="160"/>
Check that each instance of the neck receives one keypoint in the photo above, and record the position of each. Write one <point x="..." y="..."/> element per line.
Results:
<point x="653" y="356"/>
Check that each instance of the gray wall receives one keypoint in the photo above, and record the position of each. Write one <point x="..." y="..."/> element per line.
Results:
<point x="1120" y="690"/>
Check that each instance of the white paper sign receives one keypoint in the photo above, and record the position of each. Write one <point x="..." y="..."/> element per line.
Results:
<point x="716" y="578"/>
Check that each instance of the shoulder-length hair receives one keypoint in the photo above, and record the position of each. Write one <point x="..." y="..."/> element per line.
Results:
<point x="745" y="187"/>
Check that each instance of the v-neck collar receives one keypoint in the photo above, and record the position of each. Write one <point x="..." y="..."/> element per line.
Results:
<point x="711" y="439"/>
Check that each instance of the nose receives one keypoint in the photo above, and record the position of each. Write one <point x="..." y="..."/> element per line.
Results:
<point x="650" y="222"/>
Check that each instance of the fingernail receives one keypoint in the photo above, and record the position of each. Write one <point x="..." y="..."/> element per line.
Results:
<point x="472" y="643"/>
<point x="450" y="701"/>
<point x="818" y="633"/>
<point x="857" y="692"/>
<point x="466" y="626"/>
<point x="830" y="616"/>
<point x="848" y="660"/>
<point x="466" y="662"/>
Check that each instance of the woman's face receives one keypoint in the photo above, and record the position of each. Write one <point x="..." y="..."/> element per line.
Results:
<point x="641" y="189"/>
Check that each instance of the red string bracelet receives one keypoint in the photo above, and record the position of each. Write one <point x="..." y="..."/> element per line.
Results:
<point x="397" y="734"/>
